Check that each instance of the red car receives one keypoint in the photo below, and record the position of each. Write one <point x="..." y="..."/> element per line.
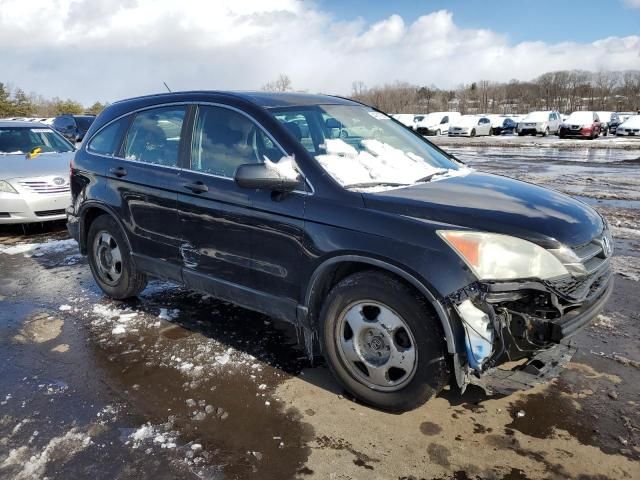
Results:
<point x="581" y="124"/>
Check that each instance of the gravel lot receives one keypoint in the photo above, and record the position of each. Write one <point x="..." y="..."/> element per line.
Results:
<point x="179" y="385"/>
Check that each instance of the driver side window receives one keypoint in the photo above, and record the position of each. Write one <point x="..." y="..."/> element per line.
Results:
<point x="224" y="139"/>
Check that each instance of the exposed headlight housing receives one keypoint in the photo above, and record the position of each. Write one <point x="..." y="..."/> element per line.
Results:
<point x="6" y="187"/>
<point x="492" y="256"/>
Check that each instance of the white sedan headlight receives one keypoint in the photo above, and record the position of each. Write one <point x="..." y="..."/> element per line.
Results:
<point x="6" y="187"/>
<point x="492" y="256"/>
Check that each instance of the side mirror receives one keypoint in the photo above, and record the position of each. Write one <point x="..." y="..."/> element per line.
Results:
<point x="259" y="175"/>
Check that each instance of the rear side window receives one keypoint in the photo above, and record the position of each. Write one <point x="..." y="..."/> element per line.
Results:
<point x="64" y="123"/>
<point x="107" y="141"/>
<point x="154" y="136"/>
<point x="224" y="139"/>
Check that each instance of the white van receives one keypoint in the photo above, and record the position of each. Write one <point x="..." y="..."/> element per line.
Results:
<point x="436" y="123"/>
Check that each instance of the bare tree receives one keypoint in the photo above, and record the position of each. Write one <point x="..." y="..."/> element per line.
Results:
<point x="280" y="84"/>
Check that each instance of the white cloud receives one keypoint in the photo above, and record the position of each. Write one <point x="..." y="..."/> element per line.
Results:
<point x="110" y="49"/>
<point x="632" y="3"/>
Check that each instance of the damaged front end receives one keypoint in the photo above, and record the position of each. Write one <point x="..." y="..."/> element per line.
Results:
<point x="516" y="333"/>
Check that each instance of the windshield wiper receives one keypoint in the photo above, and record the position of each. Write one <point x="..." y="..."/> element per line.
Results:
<point x="430" y="176"/>
<point x="375" y="184"/>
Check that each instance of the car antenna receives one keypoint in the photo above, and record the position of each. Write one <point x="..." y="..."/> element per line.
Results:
<point x="167" y="86"/>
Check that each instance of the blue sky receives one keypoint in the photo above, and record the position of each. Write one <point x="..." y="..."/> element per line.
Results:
<point x="532" y="20"/>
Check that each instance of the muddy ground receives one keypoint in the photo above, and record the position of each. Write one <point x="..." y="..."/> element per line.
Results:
<point x="179" y="385"/>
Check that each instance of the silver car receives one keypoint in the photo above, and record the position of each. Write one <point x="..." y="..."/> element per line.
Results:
<point x="34" y="173"/>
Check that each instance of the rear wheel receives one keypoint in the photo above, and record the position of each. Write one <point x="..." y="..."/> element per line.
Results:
<point x="382" y="342"/>
<point x="110" y="260"/>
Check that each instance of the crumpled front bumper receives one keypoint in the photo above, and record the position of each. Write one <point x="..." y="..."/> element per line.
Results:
<point x="543" y="367"/>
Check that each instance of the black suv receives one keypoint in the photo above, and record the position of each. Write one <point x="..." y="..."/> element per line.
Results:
<point x="400" y="265"/>
<point x="73" y="127"/>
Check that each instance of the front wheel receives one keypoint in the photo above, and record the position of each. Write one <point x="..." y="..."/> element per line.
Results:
<point x="473" y="133"/>
<point x="546" y="132"/>
<point x="382" y="342"/>
<point x="110" y="260"/>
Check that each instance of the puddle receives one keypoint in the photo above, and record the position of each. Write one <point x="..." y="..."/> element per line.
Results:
<point x="588" y="419"/>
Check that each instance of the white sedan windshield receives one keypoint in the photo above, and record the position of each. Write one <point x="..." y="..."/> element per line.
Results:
<point x="18" y="140"/>
<point x="360" y="147"/>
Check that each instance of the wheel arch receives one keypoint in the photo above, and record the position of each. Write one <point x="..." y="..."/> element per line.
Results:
<point x="334" y="269"/>
<point x="91" y="211"/>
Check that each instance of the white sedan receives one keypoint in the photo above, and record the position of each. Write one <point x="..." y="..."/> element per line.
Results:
<point x="470" y="126"/>
<point x="630" y="127"/>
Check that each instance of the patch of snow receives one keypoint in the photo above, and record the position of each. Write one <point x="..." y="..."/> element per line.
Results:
<point x="168" y="314"/>
<point x="119" y="330"/>
<point x="33" y="464"/>
<point x="285" y="168"/>
<point x="377" y="162"/>
<point x="40" y="249"/>
<point x="64" y="308"/>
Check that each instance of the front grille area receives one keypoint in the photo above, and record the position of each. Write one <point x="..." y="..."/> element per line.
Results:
<point x="45" y="187"/>
<point x="595" y="256"/>
<point x="49" y="213"/>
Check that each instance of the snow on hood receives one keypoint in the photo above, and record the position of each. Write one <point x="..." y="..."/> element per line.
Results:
<point x="465" y="121"/>
<point x="632" y="122"/>
<point x="581" y="118"/>
<point x="378" y="162"/>
<point x="536" y="117"/>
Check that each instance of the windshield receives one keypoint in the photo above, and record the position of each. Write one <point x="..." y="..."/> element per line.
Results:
<point x="24" y="140"/>
<point x="537" y="117"/>
<point x="580" y="117"/>
<point x="360" y="147"/>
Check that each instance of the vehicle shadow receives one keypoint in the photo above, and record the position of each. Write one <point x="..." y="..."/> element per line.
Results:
<point x="277" y="343"/>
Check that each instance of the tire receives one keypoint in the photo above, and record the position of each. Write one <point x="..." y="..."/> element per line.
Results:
<point x="546" y="132"/>
<point x="360" y="300"/>
<point x="110" y="260"/>
<point x="521" y="134"/>
<point x="472" y="133"/>
<point x="437" y="133"/>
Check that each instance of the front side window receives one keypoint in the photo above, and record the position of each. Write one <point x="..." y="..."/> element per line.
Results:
<point x="224" y="139"/>
<point x="107" y="141"/>
<point x="360" y="147"/>
<point x="154" y="136"/>
<point x="23" y="140"/>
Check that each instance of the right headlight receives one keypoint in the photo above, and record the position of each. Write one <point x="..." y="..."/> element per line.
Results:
<point x="492" y="256"/>
<point x="6" y="187"/>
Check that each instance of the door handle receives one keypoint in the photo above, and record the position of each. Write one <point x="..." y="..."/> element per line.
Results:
<point x="197" y="187"/>
<point x="118" y="171"/>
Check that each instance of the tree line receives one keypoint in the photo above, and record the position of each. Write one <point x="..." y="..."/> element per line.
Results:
<point x="16" y="103"/>
<point x="564" y="91"/>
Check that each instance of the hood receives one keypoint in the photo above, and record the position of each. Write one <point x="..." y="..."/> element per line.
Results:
<point x="633" y="122"/>
<point x="46" y="164"/>
<point x="496" y="204"/>
<point x="465" y="122"/>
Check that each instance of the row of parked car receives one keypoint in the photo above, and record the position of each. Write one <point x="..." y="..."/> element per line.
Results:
<point x="73" y="127"/>
<point x="587" y="124"/>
